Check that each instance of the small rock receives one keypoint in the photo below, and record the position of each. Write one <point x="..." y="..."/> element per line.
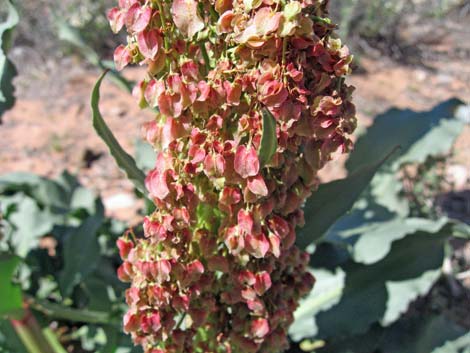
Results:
<point x="119" y="202"/>
<point x="458" y="175"/>
<point x="421" y="75"/>
<point x="118" y="111"/>
<point x="444" y="79"/>
<point x="463" y="113"/>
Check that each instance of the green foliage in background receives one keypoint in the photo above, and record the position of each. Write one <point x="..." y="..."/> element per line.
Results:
<point x="385" y="27"/>
<point x="73" y="37"/>
<point x="65" y="260"/>
<point x="372" y="18"/>
<point x="39" y="27"/>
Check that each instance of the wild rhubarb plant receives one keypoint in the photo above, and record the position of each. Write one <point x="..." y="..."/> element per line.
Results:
<point x="251" y="103"/>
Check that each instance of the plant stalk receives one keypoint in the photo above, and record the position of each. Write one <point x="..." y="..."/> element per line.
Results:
<point x="205" y="56"/>
<point x="32" y="336"/>
<point x="76" y="315"/>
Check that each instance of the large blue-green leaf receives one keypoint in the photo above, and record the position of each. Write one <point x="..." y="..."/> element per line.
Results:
<point x="44" y="191"/>
<point x="419" y="134"/>
<point x="81" y="253"/>
<point x="371" y="242"/>
<point x="99" y="293"/>
<point x="33" y="206"/>
<point x="360" y="295"/>
<point x="268" y="144"/>
<point x="434" y="334"/>
<point x="122" y="158"/>
<point x="113" y="341"/>
<point x="334" y="199"/>
<point x="386" y="189"/>
<point x="18" y="181"/>
<point x="327" y="292"/>
<point x="9" y="341"/>
<point x="436" y="142"/>
<point x="61" y="195"/>
<point x="28" y="221"/>
<point x="7" y="69"/>
<point x="11" y="301"/>
<point x="418" y="333"/>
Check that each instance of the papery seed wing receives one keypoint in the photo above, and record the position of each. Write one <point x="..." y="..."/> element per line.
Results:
<point x="186" y="17"/>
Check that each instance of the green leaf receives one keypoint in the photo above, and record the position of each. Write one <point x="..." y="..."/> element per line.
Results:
<point x="387" y="190"/>
<point x="412" y="334"/>
<point x="18" y="181"/>
<point x="434" y="334"/>
<point x="7" y="69"/>
<point x="371" y="242"/>
<point x="81" y="253"/>
<point x="61" y="195"/>
<point x="11" y="302"/>
<point x="437" y="142"/>
<point x="461" y="230"/>
<point x="118" y="342"/>
<point x="91" y="337"/>
<point x="83" y="198"/>
<point x="45" y="191"/>
<point x="62" y="312"/>
<point x="208" y="217"/>
<point x="332" y="200"/>
<point x="68" y="182"/>
<point x="123" y="160"/>
<point x="268" y="144"/>
<point x="419" y="134"/>
<point x="377" y="293"/>
<point x="9" y="341"/>
<point x="30" y="223"/>
<point x="98" y="293"/>
<point x="327" y="292"/>
<point x="72" y="36"/>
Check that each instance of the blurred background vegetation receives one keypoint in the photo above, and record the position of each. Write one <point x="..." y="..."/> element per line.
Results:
<point x="365" y="24"/>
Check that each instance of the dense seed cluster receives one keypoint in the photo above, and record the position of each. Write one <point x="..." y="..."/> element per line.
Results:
<point x="218" y="270"/>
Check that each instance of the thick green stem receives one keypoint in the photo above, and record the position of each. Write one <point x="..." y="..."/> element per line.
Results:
<point x="213" y="13"/>
<point x="166" y="42"/>
<point x="284" y="51"/>
<point x="283" y="59"/>
<point x="163" y="21"/>
<point x="53" y="341"/>
<point x="32" y="336"/>
<point x="65" y="313"/>
<point x="205" y="56"/>
<point x="321" y="19"/>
